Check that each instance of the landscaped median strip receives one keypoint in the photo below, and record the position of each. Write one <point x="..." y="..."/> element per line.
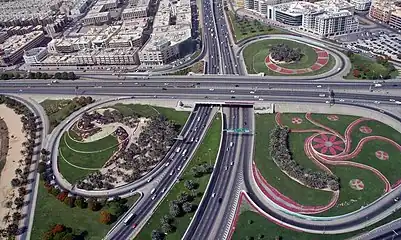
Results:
<point x="187" y="193"/>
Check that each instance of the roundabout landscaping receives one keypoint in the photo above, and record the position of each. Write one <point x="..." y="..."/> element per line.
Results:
<point x="344" y="147"/>
<point x="260" y="56"/>
<point x="113" y="146"/>
<point x="361" y="153"/>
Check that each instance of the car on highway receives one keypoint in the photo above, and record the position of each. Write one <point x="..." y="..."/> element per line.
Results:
<point x="226" y="168"/>
<point x="134" y="225"/>
<point x="212" y="89"/>
<point x="252" y="92"/>
<point x="319" y="86"/>
<point x="149" y="179"/>
<point x="214" y="194"/>
<point x="171" y="173"/>
<point x="232" y="91"/>
<point x="154" y="196"/>
<point x="231" y="163"/>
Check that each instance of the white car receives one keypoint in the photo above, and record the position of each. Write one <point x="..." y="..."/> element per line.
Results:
<point x="319" y="86"/>
<point x="341" y="100"/>
<point x="212" y="89"/>
<point x="252" y="92"/>
<point x="232" y="91"/>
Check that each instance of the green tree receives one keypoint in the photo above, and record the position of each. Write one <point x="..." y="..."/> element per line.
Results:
<point x="167" y="228"/>
<point x="187" y="207"/>
<point x="175" y="210"/>
<point x="190" y="185"/>
<point x="57" y="75"/>
<point x="71" y="75"/>
<point x="64" y="75"/>
<point x="41" y="167"/>
<point x="158" y="235"/>
<point x="38" y="75"/>
<point x="166" y="219"/>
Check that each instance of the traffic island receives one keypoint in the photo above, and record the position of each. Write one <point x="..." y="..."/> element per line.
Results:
<point x="116" y="145"/>
<point x="282" y="57"/>
<point x="344" y="146"/>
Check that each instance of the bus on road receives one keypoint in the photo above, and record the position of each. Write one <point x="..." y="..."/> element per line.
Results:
<point x="128" y="219"/>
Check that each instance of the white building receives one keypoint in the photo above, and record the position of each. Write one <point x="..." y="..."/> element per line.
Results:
<point x="168" y="42"/>
<point x="96" y="18"/>
<point x="13" y="48"/>
<point x="164" y="48"/>
<point x="361" y="5"/>
<point x="35" y="55"/>
<point x="324" y="18"/>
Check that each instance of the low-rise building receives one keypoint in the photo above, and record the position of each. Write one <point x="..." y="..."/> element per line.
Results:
<point x="361" y="5"/>
<point x="13" y="48"/>
<point x="324" y="18"/>
<point x="35" y="55"/>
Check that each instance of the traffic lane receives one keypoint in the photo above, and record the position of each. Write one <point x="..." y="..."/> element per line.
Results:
<point x="207" y="83"/>
<point x="208" y="192"/>
<point x="196" y="228"/>
<point x="224" y="82"/>
<point x="212" y="206"/>
<point x="222" y="185"/>
<point x="245" y="146"/>
<point x="194" y="91"/>
<point x="166" y="181"/>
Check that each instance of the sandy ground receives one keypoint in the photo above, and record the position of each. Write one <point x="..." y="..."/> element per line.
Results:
<point x="17" y="137"/>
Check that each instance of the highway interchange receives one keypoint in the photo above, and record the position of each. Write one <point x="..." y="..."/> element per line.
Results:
<point x="232" y="171"/>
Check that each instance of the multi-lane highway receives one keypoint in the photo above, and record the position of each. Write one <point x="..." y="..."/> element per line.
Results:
<point x="221" y="195"/>
<point x="178" y="157"/>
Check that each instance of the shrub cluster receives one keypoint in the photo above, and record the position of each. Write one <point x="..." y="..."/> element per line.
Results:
<point x="281" y="155"/>
<point x="283" y="53"/>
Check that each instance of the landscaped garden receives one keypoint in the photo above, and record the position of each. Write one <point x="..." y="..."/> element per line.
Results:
<point x="176" y="211"/>
<point x="196" y="68"/>
<point x="91" y="219"/>
<point x="284" y="57"/>
<point x="58" y="110"/>
<point x="116" y="145"/>
<point x="324" y="146"/>
<point x="254" y="226"/>
<point x="366" y="68"/>
<point x="322" y="165"/>
<point x="244" y="28"/>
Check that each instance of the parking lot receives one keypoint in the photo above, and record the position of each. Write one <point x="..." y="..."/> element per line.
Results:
<point x="381" y="43"/>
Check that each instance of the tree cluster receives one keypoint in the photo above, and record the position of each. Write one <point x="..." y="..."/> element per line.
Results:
<point x="201" y="170"/>
<point x="10" y="75"/>
<point x="31" y="125"/>
<point x="368" y="71"/>
<point x="57" y="75"/>
<point x="61" y="232"/>
<point x="281" y="155"/>
<point x="177" y="208"/>
<point x="283" y="53"/>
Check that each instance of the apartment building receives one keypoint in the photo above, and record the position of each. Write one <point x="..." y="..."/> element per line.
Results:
<point x="35" y="55"/>
<point x="361" y="5"/>
<point x="13" y="48"/>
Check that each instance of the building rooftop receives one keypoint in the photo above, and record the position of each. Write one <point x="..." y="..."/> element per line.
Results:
<point x="34" y="51"/>
<point x="330" y="4"/>
<point x="298" y="8"/>
<point x="175" y="34"/>
<point x="16" y="42"/>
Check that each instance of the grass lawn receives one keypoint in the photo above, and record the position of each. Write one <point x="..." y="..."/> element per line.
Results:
<point x="86" y="160"/>
<point x="255" y="54"/>
<point x="98" y="145"/>
<point x="371" y="65"/>
<point x="386" y="167"/>
<point x="243" y="28"/>
<point x="378" y="128"/>
<point x="340" y="125"/>
<point x="207" y="152"/>
<point x="71" y="173"/>
<point x="286" y="120"/>
<point x="270" y="230"/>
<point x="58" y="110"/>
<point x="273" y="175"/>
<point x="350" y="200"/>
<point x="180" y="117"/>
<point x="50" y="211"/>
